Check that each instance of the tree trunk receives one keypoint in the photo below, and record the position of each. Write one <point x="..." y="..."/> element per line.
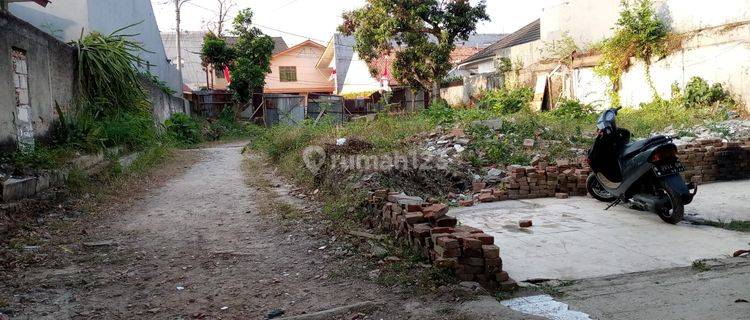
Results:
<point x="434" y="94"/>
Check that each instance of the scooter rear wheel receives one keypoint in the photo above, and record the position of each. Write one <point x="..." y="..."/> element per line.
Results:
<point x="597" y="191"/>
<point x="676" y="210"/>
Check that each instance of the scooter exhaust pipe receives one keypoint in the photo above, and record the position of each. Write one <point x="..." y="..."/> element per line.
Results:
<point x="650" y="202"/>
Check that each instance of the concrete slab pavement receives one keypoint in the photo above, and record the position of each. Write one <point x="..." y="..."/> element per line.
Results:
<point x="575" y="238"/>
<point x="721" y="201"/>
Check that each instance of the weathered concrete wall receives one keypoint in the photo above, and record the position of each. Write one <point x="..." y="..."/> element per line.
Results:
<point x="66" y="19"/>
<point x="163" y="105"/>
<point x="50" y="67"/>
<point x="719" y="56"/>
<point x="590" y="21"/>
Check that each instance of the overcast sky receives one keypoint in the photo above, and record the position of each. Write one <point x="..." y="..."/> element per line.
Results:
<point x="298" y="20"/>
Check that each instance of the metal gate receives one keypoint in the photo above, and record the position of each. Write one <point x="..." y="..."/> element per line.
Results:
<point x="327" y="106"/>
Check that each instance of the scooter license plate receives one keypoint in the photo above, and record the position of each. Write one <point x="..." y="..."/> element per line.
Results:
<point x="668" y="169"/>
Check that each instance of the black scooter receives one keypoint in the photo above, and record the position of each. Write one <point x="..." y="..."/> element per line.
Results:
<point x="645" y="173"/>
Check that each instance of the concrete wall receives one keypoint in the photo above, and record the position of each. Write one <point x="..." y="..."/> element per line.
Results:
<point x="719" y="56"/>
<point x="66" y="19"/>
<point x="50" y="67"/>
<point x="163" y="105"/>
<point x="590" y="21"/>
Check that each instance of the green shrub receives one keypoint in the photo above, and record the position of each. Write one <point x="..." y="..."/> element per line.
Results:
<point x="572" y="109"/>
<point x="503" y="101"/>
<point x="698" y="94"/>
<point x="183" y="129"/>
<point x="439" y="112"/>
<point x="133" y="130"/>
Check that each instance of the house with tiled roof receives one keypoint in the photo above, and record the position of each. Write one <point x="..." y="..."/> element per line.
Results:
<point x="353" y="76"/>
<point x="523" y="47"/>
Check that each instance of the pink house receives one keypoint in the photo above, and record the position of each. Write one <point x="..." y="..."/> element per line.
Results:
<point x="295" y="71"/>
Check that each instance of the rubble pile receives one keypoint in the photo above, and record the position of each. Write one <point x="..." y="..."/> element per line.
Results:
<point x="448" y="147"/>
<point x="708" y="160"/>
<point x="734" y="130"/>
<point x="469" y="252"/>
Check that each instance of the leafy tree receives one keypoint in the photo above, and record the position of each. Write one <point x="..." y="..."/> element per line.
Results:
<point x="215" y="51"/>
<point x="252" y="59"/>
<point x="420" y="33"/>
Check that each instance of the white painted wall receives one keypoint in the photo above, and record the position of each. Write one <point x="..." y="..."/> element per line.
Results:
<point x="66" y="19"/>
<point x="725" y="62"/>
<point x="590" y="21"/>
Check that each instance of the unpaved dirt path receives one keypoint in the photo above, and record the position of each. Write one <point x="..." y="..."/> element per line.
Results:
<point x="210" y="244"/>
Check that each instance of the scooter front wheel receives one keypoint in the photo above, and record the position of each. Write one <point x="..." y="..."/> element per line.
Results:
<point x="597" y="191"/>
<point x="676" y="209"/>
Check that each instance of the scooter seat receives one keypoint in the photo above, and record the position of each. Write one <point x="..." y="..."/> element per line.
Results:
<point x="634" y="148"/>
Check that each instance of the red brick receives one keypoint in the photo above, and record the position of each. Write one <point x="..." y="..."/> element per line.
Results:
<point x="472" y="243"/>
<point x="446" y="222"/>
<point x="491" y="251"/>
<point x="561" y="195"/>
<point x="485" y="238"/>
<point x="442" y="230"/>
<point x="525" y="223"/>
<point x="447" y="252"/>
<point x="447" y="242"/>
<point x="502" y="276"/>
<point x="478" y="186"/>
<point x="466" y="203"/>
<point x="487" y="197"/>
<point x="413" y="208"/>
<point x="414" y="217"/>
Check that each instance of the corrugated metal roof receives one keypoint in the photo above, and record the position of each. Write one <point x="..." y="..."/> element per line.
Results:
<point x="192" y="42"/>
<point x="529" y="33"/>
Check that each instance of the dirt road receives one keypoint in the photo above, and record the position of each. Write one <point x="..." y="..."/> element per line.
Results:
<point x="212" y="240"/>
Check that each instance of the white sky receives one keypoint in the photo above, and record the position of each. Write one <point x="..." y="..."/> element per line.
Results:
<point x="318" y="19"/>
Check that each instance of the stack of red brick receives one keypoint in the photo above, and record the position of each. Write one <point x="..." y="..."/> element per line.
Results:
<point x="540" y="181"/>
<point x="468" y="251"/>
<point x="709" y="160"/>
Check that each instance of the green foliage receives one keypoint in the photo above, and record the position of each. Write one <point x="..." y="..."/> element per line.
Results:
<point x="698" y="93"/>
<point x="639" y="34"/>
<point x="107" y="79"/>
<point x="439" y="113"/>
<point x="183" y="129"/>
<point x="573" y="109"/>
<point x="150" y="77"/>
<point x="39" y="157"/>
<point x="503" y="65"/>
<point x="133" y="130"/>
<point x="216" y="51"/>
<point x="504" y="101"/>
<point x="425" y="30"/>
<point x="226" y="126"/>
<point x="252" y="57"/>
<point x="561" y="50"/>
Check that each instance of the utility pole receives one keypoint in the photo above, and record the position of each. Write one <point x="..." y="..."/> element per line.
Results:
<point x="177" y="5"/>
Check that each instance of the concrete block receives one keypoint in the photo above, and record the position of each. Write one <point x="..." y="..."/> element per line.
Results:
<point x="15" y="189"/>
<point x="43" y="182"/>
<point x="20" y="66"/>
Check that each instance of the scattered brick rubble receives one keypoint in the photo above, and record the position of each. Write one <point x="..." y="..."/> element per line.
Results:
<point x="469" y="252"/>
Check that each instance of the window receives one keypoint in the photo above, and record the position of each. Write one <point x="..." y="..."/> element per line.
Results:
<point x="288" y="74"/>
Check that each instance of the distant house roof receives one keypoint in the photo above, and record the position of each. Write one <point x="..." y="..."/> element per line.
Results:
<point x="299" y="45"/>
<point x="192" y="42"/>
<point x="528" y="33"/>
